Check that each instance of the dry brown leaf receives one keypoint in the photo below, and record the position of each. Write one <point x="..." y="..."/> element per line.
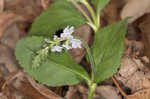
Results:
<point x="127" y="68"/>
<point x="135" y="8"/>
<point x="45" y="4"/>
<point x="42" y="89"/>
<point x="145" y="59"/>
<point x="85" y="33"/>
<point x="28" y="87"/>
<point x="107" y="92"/>
<point x="7" y="59"/>
<point x="133" y="48"/>
<point x="110" y="13"/>
<point x="28" y="9"/>
<point x="8" y="18"/>
<point x="130" y="76"/>
<point x="142" y="94"/>
<point x="71" y="91"/>
<point x="145" y="29"/>
<point x="11" y="35"/>
<point x="1" y="6"/>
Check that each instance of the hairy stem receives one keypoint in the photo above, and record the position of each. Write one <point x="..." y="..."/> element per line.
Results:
<point x="95" y="16"/>
<point x="81" y="10"/>
<point x="91" y="59"/>
<point x="92" y="90"/>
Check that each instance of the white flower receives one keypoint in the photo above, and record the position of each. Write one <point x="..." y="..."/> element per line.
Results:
<point x="67" y="47"/>
<point x="67" y="33"/>
<point x="56" y="37"/>
<point x="75" y="43"/>
<point x="56" y="48"/>
<point x="47" y="40"/>
<point x="69" y="30"/>
<point x="45" y="50"/>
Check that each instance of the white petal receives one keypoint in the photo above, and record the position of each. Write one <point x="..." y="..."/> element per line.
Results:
<point x="55" y="37"/>
<point x="71" y="30"/>
<point x="53" y="49"/>
<point x="56" y="48"/>
<point x="66" y="35"/>
<point x="66" y="29"/>
<point x="76" y="43"/>
<point x="67" y="47"/>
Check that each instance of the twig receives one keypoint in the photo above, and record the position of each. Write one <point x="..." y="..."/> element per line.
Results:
<point x="121" y="91"/>
<point x="12" y="77"/>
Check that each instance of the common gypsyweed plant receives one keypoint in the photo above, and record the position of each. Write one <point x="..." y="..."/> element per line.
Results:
<point x="46" y="58"/>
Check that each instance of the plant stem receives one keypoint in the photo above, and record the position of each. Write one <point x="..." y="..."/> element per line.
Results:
<point x="121" y="91"/>
<point x="98" y="21"/>
<point x="81" y="10"/>
<point x="95" y="16"/>
<point x="90" y="58"/>
<point x="95" y="24"/>
<point x="90" y="9"/>
<point x="92" y="90"/>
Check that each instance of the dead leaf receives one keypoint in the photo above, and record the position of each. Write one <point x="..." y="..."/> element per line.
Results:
<point x="85" y="33"/>
<point x="107" y="92"/>
<point x="142" y="94"/>
<point x="133" y="48"/>
<point x="144" y="27"/>
<point x="7" y="59"/>
<point x="127" y="68"/>
<point x="45" y="4"/>
<point x="135" y="8"/>
<point x="145" y="59"/>
<point x="130" y="76"/>
<point x="28" y="9"/>
<point x="11" y="35"/>
<point x="110" y="13"/>
<point x="1" y="6"/>
<point x="8" y="18"/>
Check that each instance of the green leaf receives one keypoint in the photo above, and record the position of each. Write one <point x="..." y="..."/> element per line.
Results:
<point x="58" y="69"/>
<point x="107" y="50"/>
<point x="59" y="15"/>
<point x="79" y="0"/>
<point x="99" y="4"/>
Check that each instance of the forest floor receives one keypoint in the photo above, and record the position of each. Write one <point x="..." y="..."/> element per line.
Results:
<point x="132" y="81"/>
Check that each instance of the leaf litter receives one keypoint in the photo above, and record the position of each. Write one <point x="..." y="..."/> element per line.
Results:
<point x="134" y="69"/>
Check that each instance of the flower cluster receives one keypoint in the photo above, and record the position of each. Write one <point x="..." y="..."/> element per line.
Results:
<point x="65" y="41"/>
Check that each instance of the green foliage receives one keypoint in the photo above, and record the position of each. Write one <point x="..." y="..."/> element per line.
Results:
<point x="59" y="15"/>
<point x="107" y="50"/>
<point x="58" y="69"/>
<point x="99" y="4"/>
<point x="39" y="58"/>
<point x="79" y="0"/>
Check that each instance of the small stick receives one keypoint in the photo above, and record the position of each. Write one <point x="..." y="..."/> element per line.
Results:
<point x="121" y="91"/>
<point x="12" y="77"/>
